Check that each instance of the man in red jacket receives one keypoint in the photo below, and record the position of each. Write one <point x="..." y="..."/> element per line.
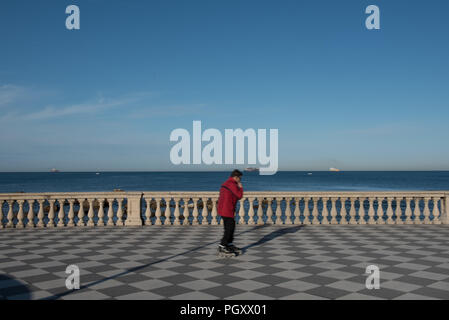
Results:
<point x="230" y="192"/>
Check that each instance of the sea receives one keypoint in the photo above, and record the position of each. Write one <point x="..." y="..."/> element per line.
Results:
<point x="12" y="182"/>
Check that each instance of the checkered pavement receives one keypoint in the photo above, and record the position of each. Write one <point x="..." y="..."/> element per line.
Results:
<point x="180" y="262"/>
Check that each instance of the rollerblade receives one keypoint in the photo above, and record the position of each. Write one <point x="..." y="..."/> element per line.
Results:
<point x="226" y="252"/>
<point x="237" y="250"/>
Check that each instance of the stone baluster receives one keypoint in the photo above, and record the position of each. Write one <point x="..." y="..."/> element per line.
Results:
<point x="242" y="211"/>
<point x="417" y="212"/>
<point x="51" y="214"/>
<point x="315" y="213"/>
<point x="389" y="211"/>
<point x="71" y="214"/>
<point x="297" y="211"/>
<point x="380" y="210"/>
<point x="325" y="212"/>
<point x="371" y="212"/>
<point x="81" y="213"/>
<point x="167" y="211"/>
<point x="40" y="214"/>
<point x="177" y="213"/>
<point x="306" y="211"/>
<point x="148" y="211"/>
<point x="269" y="210"/>
<point x="333" y="211"/>
<point x="288" y="211"/>
<point x="445" y="209"/>
<point x="213" y="211"/>
<point x="90" y="213"/>
<point x="259" y="211"/>
<point x="195" y="213"/>
<point x="10" y="215"/>
<point x="20" y="215"/>
<point x="119" y="212"/>
<point x="110" y="212"/>
<point x="61" y="213"/>
<point x="352" y="212"/>
<point x="426" y="210"/>
<point x="100" y="221"/>
<point x="361" y="212"/>
<point x="343" y="211"/>
<point x="30" y="213"/>
<point x="251" y="214"/>
<point x="398" y="212"/>
<point x="408" y="211"/>
<point x="278" y="211"/>
<point x="158" y="212"/>
<point x="436" y="211"/>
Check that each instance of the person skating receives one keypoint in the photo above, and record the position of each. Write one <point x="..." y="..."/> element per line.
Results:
<point x="230" y="192"/>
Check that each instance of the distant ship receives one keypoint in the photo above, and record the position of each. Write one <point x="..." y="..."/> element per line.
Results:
<point x="334" y="169"/>
<point x="251" y="169"/>
<point x="54" y="170"/>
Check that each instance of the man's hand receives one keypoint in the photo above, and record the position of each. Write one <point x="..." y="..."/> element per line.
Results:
<point x="240" y="185"/>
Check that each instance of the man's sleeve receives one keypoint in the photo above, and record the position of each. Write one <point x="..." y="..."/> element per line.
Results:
<point x="238" y="191"/>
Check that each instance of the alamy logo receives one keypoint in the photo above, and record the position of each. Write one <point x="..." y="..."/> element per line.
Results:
<point x="373" y="280"/>
<point x="73" y="280"/>
<point x="212" y="153"/>
<point x="373" y="20"/>
<point x="73" y="21"/>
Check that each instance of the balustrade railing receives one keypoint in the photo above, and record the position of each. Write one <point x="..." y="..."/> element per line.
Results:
<point x="200" y="208"/>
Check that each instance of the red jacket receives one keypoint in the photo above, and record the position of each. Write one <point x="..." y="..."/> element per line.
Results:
<point x="230" y="193"/>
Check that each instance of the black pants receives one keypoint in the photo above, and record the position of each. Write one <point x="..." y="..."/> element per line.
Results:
<point x="229" y="227"/>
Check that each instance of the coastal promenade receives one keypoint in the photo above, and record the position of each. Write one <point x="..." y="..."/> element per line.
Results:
<point x="296" y="246"/>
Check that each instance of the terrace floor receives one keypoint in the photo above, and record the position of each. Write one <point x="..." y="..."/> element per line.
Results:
<point x="176" y="262"/>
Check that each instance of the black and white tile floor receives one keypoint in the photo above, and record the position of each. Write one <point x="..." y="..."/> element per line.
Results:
<point x="279" y="262"/>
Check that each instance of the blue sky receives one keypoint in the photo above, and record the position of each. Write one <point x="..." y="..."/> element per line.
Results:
<point x="107" y="96"/>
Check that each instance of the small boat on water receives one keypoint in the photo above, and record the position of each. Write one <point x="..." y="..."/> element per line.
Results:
<point x="334" y="169"/>
<point x="54" y="170"/>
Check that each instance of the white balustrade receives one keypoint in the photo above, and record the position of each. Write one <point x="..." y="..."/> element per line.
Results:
<point x="255" y="208"/>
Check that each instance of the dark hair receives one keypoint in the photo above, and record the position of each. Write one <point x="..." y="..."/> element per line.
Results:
<point x="236" y="173"/>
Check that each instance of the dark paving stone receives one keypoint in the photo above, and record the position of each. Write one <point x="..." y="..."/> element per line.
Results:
<point x="224" y="279"/>
<point x="431" y="292"/>
<point x="319" y="280"/>
<point x="223" y="292"/>
<point x="270" y="279"/>
<point x="327" y="292"/>
<point x="383" y="293"/>
<point x="41" y="278"/>
<point x="415" y="280"/>
<point x="170" y="291"/>
<point x="275" y="292"/>
<point x="227" y="269"/>
<point x="16" y="268"/>
<point x="118" y="290"/>
<point x="312" y="270"/>
<point x="179" y="278"/>
<point x="267" y="270"/>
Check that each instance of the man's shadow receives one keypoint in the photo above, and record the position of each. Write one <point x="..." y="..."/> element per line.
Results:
<point x="12" y="289"/>
<point x="135" y="269"/>
<point x="271" y="236"/>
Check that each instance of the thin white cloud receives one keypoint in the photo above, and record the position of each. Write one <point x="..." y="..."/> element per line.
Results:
<point x="9" y="93"/>
<point x="84" y="108"/>
<point x="97" y="105"/>
<point x="167" y="111"/>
